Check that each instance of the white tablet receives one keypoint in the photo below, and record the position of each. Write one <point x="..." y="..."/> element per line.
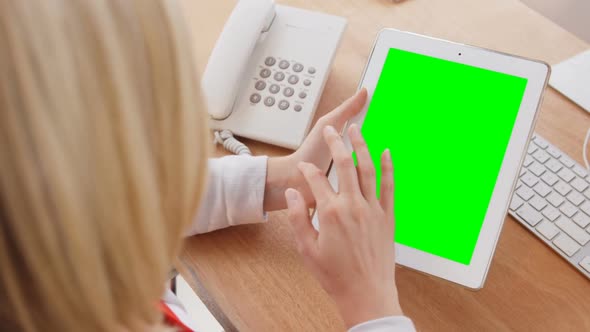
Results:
<point x="457" y="120"/>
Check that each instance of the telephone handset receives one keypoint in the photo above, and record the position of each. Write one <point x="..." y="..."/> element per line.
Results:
<point x="267" y="71"/>
<point x="221" y="79"/>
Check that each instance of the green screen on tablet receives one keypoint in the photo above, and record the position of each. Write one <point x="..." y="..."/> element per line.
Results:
<point x="447" y="126"/>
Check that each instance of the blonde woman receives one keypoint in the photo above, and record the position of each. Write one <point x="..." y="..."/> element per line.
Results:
<point x="103" y="164"/>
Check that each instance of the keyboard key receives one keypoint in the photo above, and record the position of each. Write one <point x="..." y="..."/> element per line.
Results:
<point x="554" y="152"/>
<point x="529" y="215"/>
<point x="516" y="203"/>
<point x="566" y="174"/>
<point x="579" y="184"/>
<point x="585" y="263"/>
<point x="541" y="142"/>
<point x="562" y="188"/>
<point x="549" y="178"/>
<point x="568" y="209"/>
<point x="529" y="179"/>
<point x="547" y="229"/>
<point x="525" y="192"/>
<point x="538" y="203"/>
<point x="581" y="171"/>
<point x="542" y="189"/>
<point x="581" y="219"/>
<point x="566" y="244"/>
<point x="575" y="197"/>
<point x="522" y="171"/>
<point x="567" y="161"/>
<point x="536" y="168"/>
<point x="551" y="213"/>
<point x="541" y="156"/>
<point x="553" y="165"/>
<point x="585" y="207"/>
<point x="532" y="148"/>
<point x="555" y="199"/>
<point x="573" y="230"/>
<point x="527" y="161"/>
<point x="518" y="184"/>
<point x="587" y="193"/>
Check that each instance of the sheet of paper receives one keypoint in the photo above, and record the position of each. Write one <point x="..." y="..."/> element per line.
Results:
<point x="572" y="78"/>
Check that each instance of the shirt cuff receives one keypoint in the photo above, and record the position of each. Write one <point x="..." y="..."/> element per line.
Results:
<point x="234" y="195"/>
<point x="386" y="324"/>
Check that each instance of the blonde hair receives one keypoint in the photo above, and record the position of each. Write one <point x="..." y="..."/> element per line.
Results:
<point x="103" y="146"/>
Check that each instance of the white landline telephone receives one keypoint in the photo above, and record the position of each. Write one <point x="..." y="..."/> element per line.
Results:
<point x="267" y="71"/>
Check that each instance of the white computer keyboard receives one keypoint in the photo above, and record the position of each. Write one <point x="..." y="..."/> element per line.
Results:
<point x="552" y="199"/>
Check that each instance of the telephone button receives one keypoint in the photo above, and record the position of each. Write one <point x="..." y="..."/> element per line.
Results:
<point x="260" y="85"/>
<point x="270" y="61"/>
<point x="293" y="79"/>
<point x="297" y="67"/>
<point x="302" y="95"/>
<point x="269" y="101"/>
<point x="311" y="70"/>
<point x="279" y="76"/>
<point x="288" y="92"/>
<point x="297" y="108"/>
<point x="307" y="82"/>
<point x="274" y="88"/>
<point x="255" y="98"/>
<point x="284" y="64"/>
<point x="264" y="73"/>
<point x="283" y="104"/>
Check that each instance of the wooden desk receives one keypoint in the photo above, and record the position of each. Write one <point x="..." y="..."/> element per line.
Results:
<point x="253" y="273"/>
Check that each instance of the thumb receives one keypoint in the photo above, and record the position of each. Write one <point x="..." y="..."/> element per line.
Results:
<point x="305" y="235"/>
<point x="349" y="108"/>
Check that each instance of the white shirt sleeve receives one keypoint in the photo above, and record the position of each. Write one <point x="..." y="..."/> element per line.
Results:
<point x="386" y="324"/>
<point x="234" y="195"/>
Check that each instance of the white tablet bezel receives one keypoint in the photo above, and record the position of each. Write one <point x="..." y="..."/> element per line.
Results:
<point x="537" y="74"/>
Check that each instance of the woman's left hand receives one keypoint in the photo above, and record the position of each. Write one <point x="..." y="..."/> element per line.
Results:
<point x="282" y="172"/>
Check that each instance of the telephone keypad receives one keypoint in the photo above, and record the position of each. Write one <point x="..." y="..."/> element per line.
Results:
<point x="279" y="76"/>
<point x="270" y="61"/>
<point x="255" y="98"/>
<point x="297" y="83"/>
<point x="297" y="67"/>
<point x="269" y="101"/>
<point x="284" y="64"/>
<point x="293" y="79"/>
<point x="284" y="105"/>
<point x="265" y="73"/>
<point x="274" y="88"/>
<point x="288" y="92"/>
<point x="260" y="85"/>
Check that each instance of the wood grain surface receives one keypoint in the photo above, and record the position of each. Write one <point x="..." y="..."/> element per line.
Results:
<point x="252" y="274"/>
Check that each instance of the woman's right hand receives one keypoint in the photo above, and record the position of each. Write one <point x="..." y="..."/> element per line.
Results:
<point x="353" y="255"/>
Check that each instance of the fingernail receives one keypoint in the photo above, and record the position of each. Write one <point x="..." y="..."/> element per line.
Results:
<point x="291" y="196"/>
<point x="387" y="154"/>
<point x="331" y="130"/>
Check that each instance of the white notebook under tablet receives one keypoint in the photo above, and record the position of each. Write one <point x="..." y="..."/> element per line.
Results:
<point x="457" y="120"/>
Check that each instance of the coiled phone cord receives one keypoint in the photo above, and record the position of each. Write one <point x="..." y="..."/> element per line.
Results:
<point x="230" y="143"/>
